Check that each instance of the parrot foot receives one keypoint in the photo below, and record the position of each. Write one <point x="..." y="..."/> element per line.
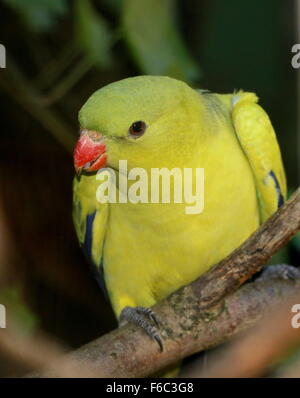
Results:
<point x="139" y="315"/>
<point x="280" y="271"/>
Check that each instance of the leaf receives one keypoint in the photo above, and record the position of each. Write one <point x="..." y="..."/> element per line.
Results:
<point x="155" y="41"/>
<point x="40" y="15"/>
<point x="92" y="33"/>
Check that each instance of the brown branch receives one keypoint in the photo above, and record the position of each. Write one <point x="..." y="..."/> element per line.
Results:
<point x="128" y="352"/>
<point x="196" y="317"/>
<point x="257" y="350"/>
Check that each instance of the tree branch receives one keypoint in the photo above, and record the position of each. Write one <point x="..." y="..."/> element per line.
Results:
<point x="257" y="350"/>
<point x="196" y="316"/>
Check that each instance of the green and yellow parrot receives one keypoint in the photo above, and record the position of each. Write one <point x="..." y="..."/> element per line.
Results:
<point x="145" y="251"/>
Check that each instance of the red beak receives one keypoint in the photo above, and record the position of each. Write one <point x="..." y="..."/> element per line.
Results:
<point x="89" y="152"/>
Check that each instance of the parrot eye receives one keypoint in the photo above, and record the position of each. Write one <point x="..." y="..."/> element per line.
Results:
<point x="137" y="129"/>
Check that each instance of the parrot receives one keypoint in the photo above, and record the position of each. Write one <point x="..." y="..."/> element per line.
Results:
<point x="142" y="252"/>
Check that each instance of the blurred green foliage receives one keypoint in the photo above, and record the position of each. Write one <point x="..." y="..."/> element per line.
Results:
<point x="151" y="33"/>
<point x="40" y="15"/>
<point x="92" y="33"/>
<point x="148" y="27"/>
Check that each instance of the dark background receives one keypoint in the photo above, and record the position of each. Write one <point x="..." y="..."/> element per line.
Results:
<point x="58" y="53"/>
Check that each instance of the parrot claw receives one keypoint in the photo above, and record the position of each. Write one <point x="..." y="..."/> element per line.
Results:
<point x="139" y="315"/>
<point x="149" y="313"/>
<point x="280" y="271"/>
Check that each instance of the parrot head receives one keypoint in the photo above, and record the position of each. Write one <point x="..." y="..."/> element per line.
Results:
<point x="143" y="119"/>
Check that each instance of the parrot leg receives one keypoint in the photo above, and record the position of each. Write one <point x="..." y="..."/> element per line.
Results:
<point x="139" y="315"/>
<point x="280" y="271"/>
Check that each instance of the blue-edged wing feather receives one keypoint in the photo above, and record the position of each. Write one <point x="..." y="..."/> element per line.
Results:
<point x="90" y="218"/>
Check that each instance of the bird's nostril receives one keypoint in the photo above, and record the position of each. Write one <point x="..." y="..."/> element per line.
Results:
<point x="94" y="135"/>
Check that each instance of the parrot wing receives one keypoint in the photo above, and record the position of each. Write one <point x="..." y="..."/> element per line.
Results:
<point x="90" y="219"/>
<point x="258" y="141"/>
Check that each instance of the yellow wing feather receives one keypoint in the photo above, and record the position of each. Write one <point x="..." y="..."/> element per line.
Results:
<point x="90" y="217"/>
<point x="258" y="140"/>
